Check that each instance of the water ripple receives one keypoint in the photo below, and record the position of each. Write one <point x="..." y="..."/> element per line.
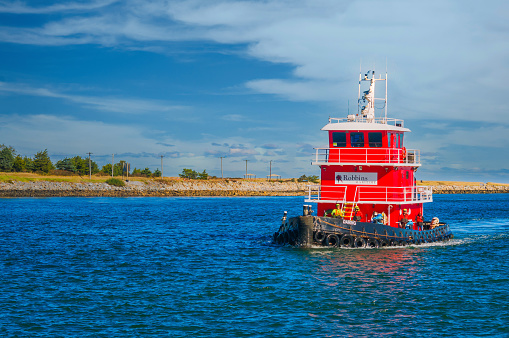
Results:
<point x="206" y="267"/>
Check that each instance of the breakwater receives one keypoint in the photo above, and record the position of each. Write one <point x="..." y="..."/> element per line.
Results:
<point x="153" y="188"/>
<point x="228" y="187"/>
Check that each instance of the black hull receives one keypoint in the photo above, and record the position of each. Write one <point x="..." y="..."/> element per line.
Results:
<point x="308" y="231"/>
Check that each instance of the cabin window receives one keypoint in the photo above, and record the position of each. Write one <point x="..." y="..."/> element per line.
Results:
<point x="339" y="139"/>
<point x="357" y="140"/>
<point x="400" y="140"/>
<point x="375" y="139"/>
<point x="393" y="140"/>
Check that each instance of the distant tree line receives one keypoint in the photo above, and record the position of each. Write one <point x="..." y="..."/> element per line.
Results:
<point x="191" y="174"/>
<point x="311" y="178"/>
<point x="41" y="163"/>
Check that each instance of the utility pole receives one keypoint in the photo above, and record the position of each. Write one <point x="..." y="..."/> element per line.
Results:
<point x="89" y="166"/>
<point x="246" y="167"/>
<point x="221" y="157"/>
<point x="112" y="163"/>
<point x="270" y="170"/>
<point x="162" y="166"/>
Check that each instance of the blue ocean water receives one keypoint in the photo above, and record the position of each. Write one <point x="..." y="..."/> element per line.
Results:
<point x="206" y="267"/>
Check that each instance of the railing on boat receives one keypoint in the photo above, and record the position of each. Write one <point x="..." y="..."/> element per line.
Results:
<point x="380" y="120"/>
<point x="369" y="194"/>
<point x="367" y="156"/>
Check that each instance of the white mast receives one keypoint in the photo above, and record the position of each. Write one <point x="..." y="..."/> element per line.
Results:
<point x="368" y="111"/>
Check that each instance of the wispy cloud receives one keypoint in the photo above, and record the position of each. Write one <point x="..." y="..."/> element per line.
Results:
<point x="20" y="7"/>
<point x="111" y="104"/>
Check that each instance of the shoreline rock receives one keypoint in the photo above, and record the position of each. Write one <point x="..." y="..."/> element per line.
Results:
<point x="190" y="188"/>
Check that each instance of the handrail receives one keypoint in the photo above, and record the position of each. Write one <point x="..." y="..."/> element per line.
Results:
<point x="371" y="156"/>
<point x="370" y="194"/>
<point x="379" y="120"/>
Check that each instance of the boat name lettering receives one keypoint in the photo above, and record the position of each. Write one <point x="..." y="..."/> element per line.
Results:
<point x="347" y="221"/>
<point x="357" y="178"/>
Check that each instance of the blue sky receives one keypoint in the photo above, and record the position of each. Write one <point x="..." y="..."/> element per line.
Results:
<point x="252" y="80"/>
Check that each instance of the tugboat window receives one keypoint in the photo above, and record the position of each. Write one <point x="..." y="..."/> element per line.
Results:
<point x="357" y="140"/>
<point x="339" y="139"/>
<point x="375" y="140"/>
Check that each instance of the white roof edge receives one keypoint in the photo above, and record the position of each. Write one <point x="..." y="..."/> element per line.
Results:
<point x="363" y="126"/>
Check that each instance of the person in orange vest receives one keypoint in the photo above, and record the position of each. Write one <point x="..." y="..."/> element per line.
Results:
<point x="419" y="221"/>
<point x="404" y="219"/>
<point x="357" y="214"/>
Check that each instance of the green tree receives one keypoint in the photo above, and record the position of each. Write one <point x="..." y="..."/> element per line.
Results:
<point x="66" y="164"/>
<point x="42" y="162"/>
<point x="303" y="178"/>
<point x="19" y="164"/>
<point x="312" y="178"/>
<point x="117" y="168"/>
<point x="106" y="169"/>
<point x="203" y="175"/>
<point x="157" y="173"/>
<point x="147" y="172"/>
<point x="29" y="164"/>
<point x="79" y="165"/>
<point x="6" y="158"/>
<point x="188" y="173"/>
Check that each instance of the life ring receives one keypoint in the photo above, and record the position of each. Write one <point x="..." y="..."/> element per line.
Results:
<point x="359" y="242"/>
<point x="332" y="240"/>
<point x="373" y="243"/>
<point x="319" y="237"/>
<point x="346" y="241"/>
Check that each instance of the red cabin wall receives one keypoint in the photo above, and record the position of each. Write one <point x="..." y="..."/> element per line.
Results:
<point x="387" y="176"/>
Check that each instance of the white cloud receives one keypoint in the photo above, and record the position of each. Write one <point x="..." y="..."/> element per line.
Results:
<point x="19" y="7"/>
<point x="119" y="105"/>
<point x="444" y="55"/>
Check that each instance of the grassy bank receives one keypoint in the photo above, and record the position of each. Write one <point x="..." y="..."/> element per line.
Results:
<point x="32" y="177"/>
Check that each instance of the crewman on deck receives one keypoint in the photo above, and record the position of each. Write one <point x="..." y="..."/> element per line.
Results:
<point x="404" y="219"/>
<point x="419" y="221"/>
<point x="337" y="213"/>
<point x="434" y="223"/>
<point x="377" y="218"/>
<point x="357" y="214"/>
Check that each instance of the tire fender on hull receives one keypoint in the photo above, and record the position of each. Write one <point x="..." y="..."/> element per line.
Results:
<point x="332" y="240"/>
<point x="346" y="241"/>
<point x="373" y="243"/>
<point x="359" y="242"/>
<point x="319" y="237"/>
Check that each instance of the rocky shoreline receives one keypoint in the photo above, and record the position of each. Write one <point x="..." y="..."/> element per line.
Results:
<point x="152" y="188"/>
<point x="227" y="187"/>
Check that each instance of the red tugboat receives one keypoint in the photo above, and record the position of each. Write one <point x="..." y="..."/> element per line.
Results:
<point x="368" y="195"/>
